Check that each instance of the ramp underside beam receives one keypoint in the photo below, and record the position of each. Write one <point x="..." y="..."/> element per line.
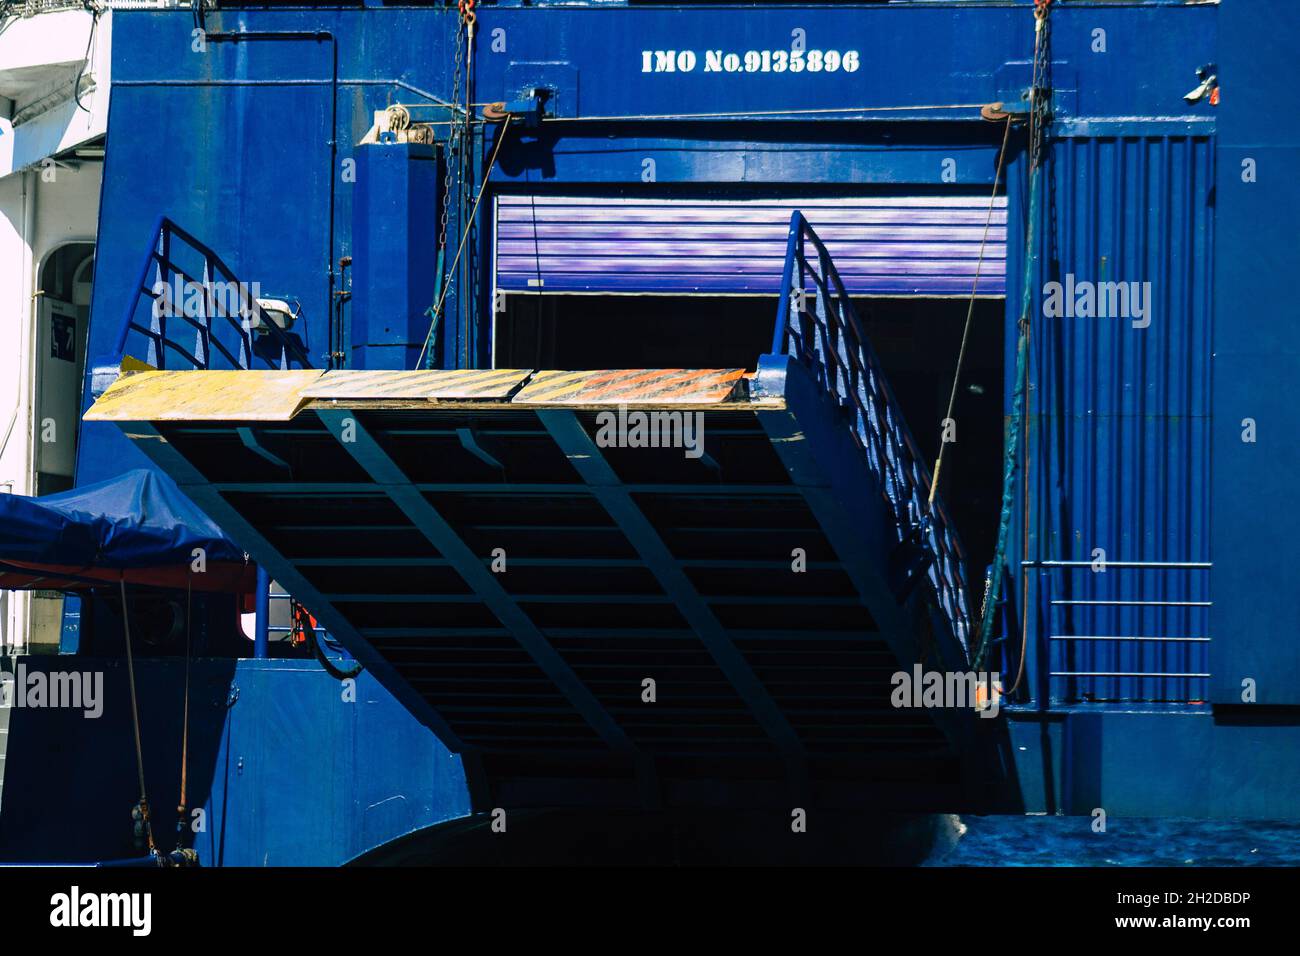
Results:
<point x="357" y="441"/>
<point x="605" y="484"/>
<point x="167" y="457"/>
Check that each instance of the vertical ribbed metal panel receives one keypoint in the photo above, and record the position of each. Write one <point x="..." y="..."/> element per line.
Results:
<point x="1120" y="439"/>
<point x="882" y="245"/>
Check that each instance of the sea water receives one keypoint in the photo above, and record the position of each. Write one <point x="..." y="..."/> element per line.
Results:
<point x="1041" y="840"/>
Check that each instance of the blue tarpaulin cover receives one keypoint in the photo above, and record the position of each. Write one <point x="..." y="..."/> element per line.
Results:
<point x="139" y="526"/>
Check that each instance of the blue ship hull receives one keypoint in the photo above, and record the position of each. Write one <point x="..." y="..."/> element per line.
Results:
<point x="286" y="767"/>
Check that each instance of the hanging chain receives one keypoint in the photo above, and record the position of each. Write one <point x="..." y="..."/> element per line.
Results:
<point x="456" y="145"/>
<point x="1040" y="106"/>
<point x="467" y="148"/>
<point x="452" y="134"/>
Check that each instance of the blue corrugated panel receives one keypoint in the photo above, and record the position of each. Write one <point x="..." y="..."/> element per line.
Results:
<point x="885" y="245"/>
<point x="1120" y="427"/>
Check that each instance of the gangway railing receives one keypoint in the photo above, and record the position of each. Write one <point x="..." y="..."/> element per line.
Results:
<point x="199" y="311"/>
<point x="818" y="325"/>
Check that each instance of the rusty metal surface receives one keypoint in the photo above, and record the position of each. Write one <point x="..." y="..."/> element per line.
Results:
<point x="660" y="386"/>
<point x="433" y="384"/>
<point x="207" y="396"/>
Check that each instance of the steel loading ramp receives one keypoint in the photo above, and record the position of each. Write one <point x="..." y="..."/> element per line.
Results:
<point x="515" y="576"/>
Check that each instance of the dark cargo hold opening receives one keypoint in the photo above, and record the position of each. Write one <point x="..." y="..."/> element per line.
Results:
<point x="917" y="340"/>
<point x="577" y="332"/>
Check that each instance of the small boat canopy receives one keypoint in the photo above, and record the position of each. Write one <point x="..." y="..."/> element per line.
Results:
<point x="138" y="526"/>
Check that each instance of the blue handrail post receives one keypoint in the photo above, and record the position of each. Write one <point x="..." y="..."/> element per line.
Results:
<point x="263" y="617"/>
<point x="793" y="254"/>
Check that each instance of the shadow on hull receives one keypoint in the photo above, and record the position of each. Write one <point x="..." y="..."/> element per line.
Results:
<point x="697" y="838"/>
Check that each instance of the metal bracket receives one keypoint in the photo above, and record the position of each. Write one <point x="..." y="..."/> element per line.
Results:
<point x="530" y="110"/>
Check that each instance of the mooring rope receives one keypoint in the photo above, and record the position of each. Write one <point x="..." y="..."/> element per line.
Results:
<point x="135" y="717"/>
<point x="970" y="311"/>
<point x="760" y="114"/>
<point x="182" y="804"/>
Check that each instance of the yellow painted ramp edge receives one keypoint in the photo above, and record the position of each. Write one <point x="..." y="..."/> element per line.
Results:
<point x="252" y="395"/>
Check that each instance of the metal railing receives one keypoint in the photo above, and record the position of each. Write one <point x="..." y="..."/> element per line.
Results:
<point x="193" y="293"/>
<point x="820" y="328"/>
<point x="1133" y="631"/>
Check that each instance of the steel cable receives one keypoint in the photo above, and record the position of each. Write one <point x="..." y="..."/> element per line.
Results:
<point x="135" y="718"/>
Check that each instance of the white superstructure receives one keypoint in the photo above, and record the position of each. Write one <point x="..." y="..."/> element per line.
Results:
<point x="54" y="80"/>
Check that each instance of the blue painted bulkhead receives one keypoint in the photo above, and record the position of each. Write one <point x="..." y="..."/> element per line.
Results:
<point x="1124" y="424"/>
<point x="1256" y="353"/>
<point x="392" y="282"/>
<point x="286" y="764"/>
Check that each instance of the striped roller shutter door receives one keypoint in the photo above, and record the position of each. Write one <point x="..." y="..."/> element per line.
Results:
<point x="895" y="245"/>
